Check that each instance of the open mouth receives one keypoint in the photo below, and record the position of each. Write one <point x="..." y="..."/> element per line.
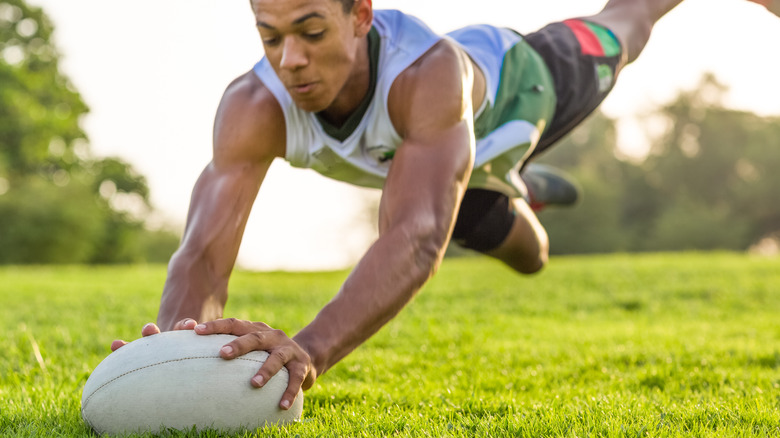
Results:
<point x="303" y="88"/>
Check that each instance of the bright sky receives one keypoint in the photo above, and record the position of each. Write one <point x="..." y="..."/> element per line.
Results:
<point x="153" y="72"/>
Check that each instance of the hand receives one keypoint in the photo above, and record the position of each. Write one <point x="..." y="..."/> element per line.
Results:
<point x="282" y="352"/>
<point x="152" y="329"/>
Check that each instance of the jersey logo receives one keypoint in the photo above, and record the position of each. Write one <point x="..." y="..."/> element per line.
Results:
<point x="381" y="154"/>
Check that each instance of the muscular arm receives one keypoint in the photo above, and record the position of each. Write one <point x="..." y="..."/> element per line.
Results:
<point x="248" y="135"/>
<point x="430" y="108"/>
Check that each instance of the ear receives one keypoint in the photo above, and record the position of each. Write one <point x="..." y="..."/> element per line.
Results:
<point x="363" y="16"/>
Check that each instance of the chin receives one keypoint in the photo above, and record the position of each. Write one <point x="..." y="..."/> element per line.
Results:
<point x="312" y="106"/>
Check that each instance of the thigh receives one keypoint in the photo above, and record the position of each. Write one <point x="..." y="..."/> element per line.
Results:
<point x="484" y="220"/>
<point x="584" y="60"/>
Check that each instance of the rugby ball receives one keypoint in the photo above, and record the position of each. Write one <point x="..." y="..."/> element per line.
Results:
<point x="177" y="380"/>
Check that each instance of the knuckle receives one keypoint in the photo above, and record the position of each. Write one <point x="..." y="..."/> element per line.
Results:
<point x="262" y="325"/>
<point x="257" y="337"/>
<point x="297" y="375"/>
<point x="282" y="355"/>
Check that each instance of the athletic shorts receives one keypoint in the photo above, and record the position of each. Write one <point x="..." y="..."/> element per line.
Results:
<point x="584" y="60"/>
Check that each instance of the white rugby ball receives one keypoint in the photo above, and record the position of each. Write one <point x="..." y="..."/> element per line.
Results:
<point x="177" y="380"/>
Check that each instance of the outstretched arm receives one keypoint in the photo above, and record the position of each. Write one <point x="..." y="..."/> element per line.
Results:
<point x="430" y="108"/>
<point x="418" y="208"/>
<point x="247" y="137"/>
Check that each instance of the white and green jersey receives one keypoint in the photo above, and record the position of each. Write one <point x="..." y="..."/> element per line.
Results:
<point x="519" y="104"/>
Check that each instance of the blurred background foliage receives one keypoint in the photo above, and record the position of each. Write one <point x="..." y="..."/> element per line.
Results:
<point x="58" y="202"/>
<point x="708" y="181"/>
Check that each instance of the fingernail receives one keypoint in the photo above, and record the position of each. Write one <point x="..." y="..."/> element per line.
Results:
<point x="285" y="404"/>
<point x="227" y="349"/>
<point x="149" y="324"/>
<point x="200" y="327"/>
<point x="257" y="380"/>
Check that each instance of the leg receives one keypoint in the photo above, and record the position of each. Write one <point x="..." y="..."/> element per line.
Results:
<point x="772" y="6"/>
<point x="526" y="247"/>
<point x="493" y="224"/>
<point x="632" y="20"/>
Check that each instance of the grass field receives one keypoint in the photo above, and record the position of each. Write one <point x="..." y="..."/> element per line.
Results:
<point x="619" y="345"/>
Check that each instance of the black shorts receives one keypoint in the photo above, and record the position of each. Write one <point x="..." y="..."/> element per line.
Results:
<point x="584" y="60"/>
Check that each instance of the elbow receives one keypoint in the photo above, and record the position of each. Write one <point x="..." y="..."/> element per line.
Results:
<point x="428" y="244"/>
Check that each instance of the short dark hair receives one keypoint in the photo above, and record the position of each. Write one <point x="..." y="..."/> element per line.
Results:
<point x="346" y="5"/>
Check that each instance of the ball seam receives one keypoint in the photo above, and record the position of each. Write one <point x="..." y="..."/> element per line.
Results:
<point x="86" y="401"/>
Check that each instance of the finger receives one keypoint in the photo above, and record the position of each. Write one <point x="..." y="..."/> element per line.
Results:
<point x="150" y="329"/>
<point x="229" y="326"/>
<point x="253" y="341"/>
<point x="273" y="363"/>
<point x="117" y="344"/>
<point x="297" y="375"/>
<point x="185" y="324"/>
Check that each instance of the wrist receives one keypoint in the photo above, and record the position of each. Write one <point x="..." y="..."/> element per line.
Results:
<point x="316" y="350"/>
<point x="188" y="295"/>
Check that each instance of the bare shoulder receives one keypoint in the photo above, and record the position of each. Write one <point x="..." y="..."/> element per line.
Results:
<point x="249" y="125"/>
<point x="435" y="88"/>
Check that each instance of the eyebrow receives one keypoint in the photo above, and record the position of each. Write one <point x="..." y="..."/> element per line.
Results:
<point x="297" y="21"/>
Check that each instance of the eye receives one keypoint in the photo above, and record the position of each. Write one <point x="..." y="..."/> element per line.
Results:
<point x="272" y="41"/>
<point x="315" y="35"/>
<point x="269" y="39"/>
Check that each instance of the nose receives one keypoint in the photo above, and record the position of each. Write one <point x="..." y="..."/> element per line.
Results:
<point x="293" y="54"/>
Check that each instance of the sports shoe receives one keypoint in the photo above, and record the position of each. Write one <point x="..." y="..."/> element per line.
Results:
<point x="548" y="186"/>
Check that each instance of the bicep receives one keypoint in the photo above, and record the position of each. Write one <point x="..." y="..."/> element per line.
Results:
<point x="427" y="180"/>
<point x="248" y="135"/>
<point x="430" y="105"/>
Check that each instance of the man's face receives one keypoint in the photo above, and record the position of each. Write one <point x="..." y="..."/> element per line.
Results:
<point x="311" y="45"/>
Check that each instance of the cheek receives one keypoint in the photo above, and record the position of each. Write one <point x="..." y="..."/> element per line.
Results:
<point x="338" y="59"/>
<point x="333" y="66"/>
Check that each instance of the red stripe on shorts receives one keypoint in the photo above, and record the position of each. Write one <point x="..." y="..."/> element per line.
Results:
<point x="588" y="40"/>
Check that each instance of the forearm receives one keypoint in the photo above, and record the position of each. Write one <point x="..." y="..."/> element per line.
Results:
<point x="198" y="273"/>
<point x="193" y="289"/>
<point x="386" y="279"/>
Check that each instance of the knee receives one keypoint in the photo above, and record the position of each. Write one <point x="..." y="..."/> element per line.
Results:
<point x="529" y="263"/>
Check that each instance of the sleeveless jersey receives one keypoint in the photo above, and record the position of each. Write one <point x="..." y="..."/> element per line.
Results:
<point x="519" y="104"/>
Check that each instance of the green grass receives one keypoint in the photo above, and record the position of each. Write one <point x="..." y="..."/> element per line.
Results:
<point x="626" y="346"/>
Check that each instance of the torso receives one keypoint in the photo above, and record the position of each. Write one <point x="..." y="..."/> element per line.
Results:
<point x="361" y="151"/>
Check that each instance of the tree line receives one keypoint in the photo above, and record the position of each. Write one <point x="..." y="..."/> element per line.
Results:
<point x="710" y="181"/>
<point x="58" y="202"/>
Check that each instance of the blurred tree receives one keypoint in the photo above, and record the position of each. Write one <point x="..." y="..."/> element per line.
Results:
<point x="717" y="164"/>
<point x="594" y="224"/>
<point x="709" y="181"/>
<point x="58" y="203"/>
